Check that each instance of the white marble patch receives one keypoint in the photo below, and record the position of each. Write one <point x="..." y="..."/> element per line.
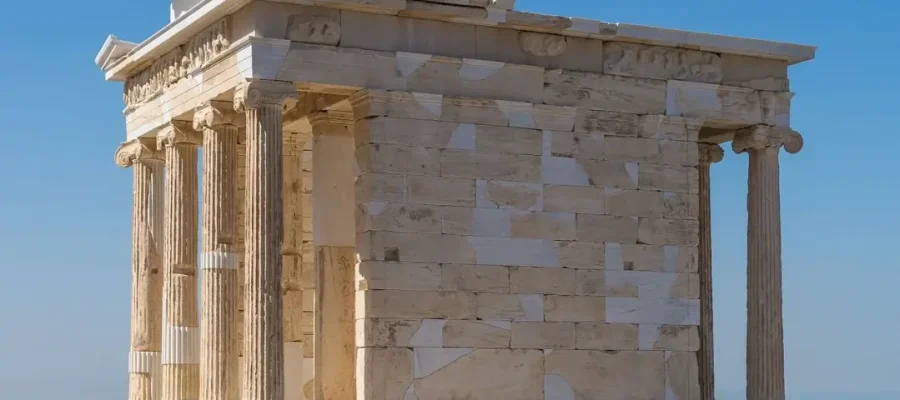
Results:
<point x="648" y="335"/>
<point x="429" y="360"/>
<point x="463" y="137"/>
<point x="495" y="16"/>
<point x="407" y="63"/>
<point x="411" y="392"/>
<point x="375" y="208"/>
<point x="630" y="310"/>
<point x="492" y="222"/>
<point x="293" y="370"/>
<point x="432" y="102"/>
<point x="582" y="25"/>
<point x="499" y="324"/>
<point x="518" y="251"/>
<point x="180" y="345"/>
<point x="613" y="257"/>
<point x="143" y="362"/>
<point x="632" y="168"/>
<point x="476" y="70"/>
<point x="533" y="307"/>
<point x="671" y="258"/>
<point x="430" y="334"/>
<point x="563" y="171"/>
<point x="519" y="114"/>
<point x="547" y="144"/>
<point x="556" y="388"/>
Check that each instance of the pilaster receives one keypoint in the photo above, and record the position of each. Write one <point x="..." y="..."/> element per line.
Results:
<point x="219" y="259"/>
<point x="181" y="336"/>
<point x="765" y="329"/>
<point x="147" y="278"/>
<point x="263" y="103"/>
<point x="709" y="154"/>
<point x="335" y="245"/>
<point x="292" y="259"/>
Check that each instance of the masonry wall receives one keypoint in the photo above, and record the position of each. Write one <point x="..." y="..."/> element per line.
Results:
<point x="518" y="251"/>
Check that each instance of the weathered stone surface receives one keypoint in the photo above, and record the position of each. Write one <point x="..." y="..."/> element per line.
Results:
<point x="441" y="191"/>
<point x="506" y="307"/>
<point x="681" y="205"/>
<point x="386" y="332"/>
<point x="574" y="308"/>
<point x="604" y="92"/>
<point x="682" y="379"/>
<point x="543" y="335"/>
<point x="669" y="231"/>
<point x="322" y="27"/>
<point x="398" y="217"/>
<point x="776" y="108"/>
<point x="664" y="127"/>
<point x="415" y="304"/>
<point x="419" y="247"/>
<point x="397" y="275"/>
<point x="521" y="377"/>
<point x="580" y="254"/>
<point x="631" y="310"/>
<point x="477" y="334"/>
<point x="642" y="257"/>
<point x="615" y="174"/>
<point x="669" y="337"/>
<point x="634" y="203"/>
<point x="644" y="284"/>
<point x="543" y="225"/>
<point x="476" y="221"/>
<point x="569" y="53"/>
<point x="397" y="159"/>
<point x="590" y="375"/>
<point x="504" y="167"/>
<point x="495" y="139"/>
<point x="542" y="280"/>
<point x="515" y="251"/>
<point x="608" y="123"/>
<point x="412" y="35"/>
<point x="719" y="106"/>
<point x="605" y="228"/>
<point x="376" y="380"/>
<point x="380" y="187"/>
<point x="754" y="73"/>
<point x="509" y="195"/>
<point x="601" y="336"/>
<point x="475" y="278"/>
<point x="579" y="199"/>
<point x="668" y="178"/>
<point x="643" y="61"/>
<point x="542" y="44"/>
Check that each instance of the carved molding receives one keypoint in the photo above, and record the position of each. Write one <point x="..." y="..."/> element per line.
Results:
<point x="178" y="63"/>
<point x="542" y="44"/>
<point x="710" y="153"/>
<point x="761" y="136"/>
<point x="178" y="132"/>
<point x="632" y="59"/>
<point x="259" y="93"/>
<point x="214" y="113"/>
<point x="138" y="150"/>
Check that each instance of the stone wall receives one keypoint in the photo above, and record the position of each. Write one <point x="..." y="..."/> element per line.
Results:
<point x="518" y="251"/>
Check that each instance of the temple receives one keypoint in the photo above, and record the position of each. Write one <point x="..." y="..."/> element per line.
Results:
<point x="441" y="200"/>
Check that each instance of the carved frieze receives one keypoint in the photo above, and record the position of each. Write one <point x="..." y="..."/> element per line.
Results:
<point x="542" y="44"/>
<point x="632" y="59"/>
<point x="176" y="64"/>
<point x="314" y="29"/>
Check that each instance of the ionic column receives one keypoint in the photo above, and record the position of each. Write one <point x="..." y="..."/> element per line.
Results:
<point x="335" y="246"/>
<point x="292" y="259"/>
<point x="765" y="336"/>
<point x="263" y="366"/>
<point x="181" y="336"/>
<point x="146" y="265"/>
<point x="709" y="154"/>
<point x="219" y="259"/>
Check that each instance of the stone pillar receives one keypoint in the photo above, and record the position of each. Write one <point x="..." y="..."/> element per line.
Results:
<point x="146" y="265"/>
<point x="219" y="259"/>
<point x="263" y="367"/>
<point x="335" y="245"/>
<point x="765" y="336"/>
<point x="709" y="154"/>
<point x="181" y="336"/>
<point x="292" y="259"/>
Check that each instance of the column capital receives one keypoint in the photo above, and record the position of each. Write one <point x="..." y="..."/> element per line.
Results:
<point x="138" y="150"/>
<point x="213" y="113"/>
<point x="259" y="92"/>
<point x="710" y="153"/>
<point x="758" y="137"/>
<point x="178" y="132"/>
<point x="331" y="123"/>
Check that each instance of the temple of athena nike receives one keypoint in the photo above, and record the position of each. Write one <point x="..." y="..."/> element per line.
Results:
<point x="441" y="200"/>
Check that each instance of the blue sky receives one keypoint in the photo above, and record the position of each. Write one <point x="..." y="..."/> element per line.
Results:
<point x="65" y="206"/>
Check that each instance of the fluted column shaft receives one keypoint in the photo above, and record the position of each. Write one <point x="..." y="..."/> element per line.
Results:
<point x="146" y="261"/>
<point x="219" y="260"/>
<point x="263" y="372"/>
<point x="292" y="259"/>
<point x="709" y="154"/>
<point x="765" y="337"/>
<point x="335" y="244"/>
<point x="181" y="337"/>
